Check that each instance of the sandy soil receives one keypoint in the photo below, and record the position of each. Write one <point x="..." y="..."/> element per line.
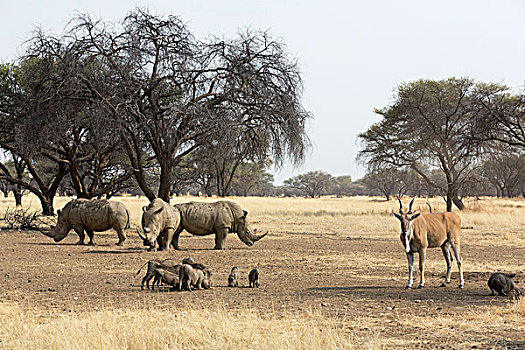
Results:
<point x="360" y="282"/>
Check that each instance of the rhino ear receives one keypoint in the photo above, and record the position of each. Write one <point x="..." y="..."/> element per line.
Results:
<point x="245" y="213"/>
<point x="144" y="208"/>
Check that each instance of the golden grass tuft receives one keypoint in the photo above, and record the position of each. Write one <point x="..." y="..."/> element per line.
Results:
<point x="518" y="307"/>
<point x="166" y="329"/>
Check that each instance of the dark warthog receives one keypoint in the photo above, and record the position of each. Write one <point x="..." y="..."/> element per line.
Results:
<point x="159" y="222"/>
<point x="193" y="277"/>
<point x="94" y="215"/>
<point x="166" y="277"/>
<point x="503" y="285"/>
<point x="233" y="278"/>
<point x="167" y="264"/>
<point x="217" y="218"/>
<point x="253" y="278"/>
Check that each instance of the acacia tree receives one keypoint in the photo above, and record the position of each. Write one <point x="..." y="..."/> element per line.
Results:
<point x="20" y="99"/>
<point x="312" y="183"/>
<point x="14" y="168"/>
<point x="228" y="151"/>
<point x="427" y="128"/>
<point x="252" y="177"/>
<point x="53" y="133"/>
<point x="169" y="92"/>
<point x="390" y="181"/>
<point x="501" y="116"/>
<point x="505" y="173"/>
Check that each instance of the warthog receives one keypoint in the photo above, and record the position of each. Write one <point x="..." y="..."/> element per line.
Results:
<point x="233" y="278"/>
<point x="167" y="264"/>
<point x="188" y="260"/>
<point x="219" y="218"/>
<point x="159" y="222"/>
<point x="192" y="277"/>
<point x="503" y="285"/>
<point x="422" y="231"/>
<point x="253" y="278"/>
<point x="94" y="215"/>
<point x="166" y="277"/>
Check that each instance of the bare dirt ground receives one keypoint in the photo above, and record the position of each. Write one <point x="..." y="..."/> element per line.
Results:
<point x="357" y="281"/>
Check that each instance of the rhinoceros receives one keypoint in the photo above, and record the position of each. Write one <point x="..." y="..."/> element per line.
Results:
<point x="159" y="222"/>
<point x="217" y="218"/>
<point x="197" y="218"/>
<point x="91" y="216"/>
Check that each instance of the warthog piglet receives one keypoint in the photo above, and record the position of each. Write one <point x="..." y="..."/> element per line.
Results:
<point x="253" y="277"/>
<point x="233" y="278"/>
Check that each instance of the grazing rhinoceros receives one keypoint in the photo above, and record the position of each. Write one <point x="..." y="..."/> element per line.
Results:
<point x="91" y="216"/>
<point x="197" y="218"/>
<point x="217" y="218"/>
<point x="159" y="222"/>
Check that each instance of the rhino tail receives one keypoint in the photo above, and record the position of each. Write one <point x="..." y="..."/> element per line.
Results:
<point x="127" y="224"/>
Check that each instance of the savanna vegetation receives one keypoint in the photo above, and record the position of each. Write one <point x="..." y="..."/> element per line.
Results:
<point x="144" y="109"/>
<point x="333" y="272"/>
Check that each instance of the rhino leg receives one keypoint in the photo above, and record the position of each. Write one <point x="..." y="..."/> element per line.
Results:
<point x="175" y="239"/>
<point x="121" y="236"/>
<point x="220" y="236"/>
<point x="90" y="235"/>
<point x="80" y="232"/>
<point x="166" y="239"/>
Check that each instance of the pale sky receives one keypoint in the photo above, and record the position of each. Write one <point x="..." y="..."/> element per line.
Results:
<point x="352" y="53"/>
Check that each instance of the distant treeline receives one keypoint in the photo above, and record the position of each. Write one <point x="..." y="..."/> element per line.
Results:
<point x="144" y="107"/>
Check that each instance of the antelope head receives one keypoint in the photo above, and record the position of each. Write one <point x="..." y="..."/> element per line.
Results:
<point x="406" y="223"/>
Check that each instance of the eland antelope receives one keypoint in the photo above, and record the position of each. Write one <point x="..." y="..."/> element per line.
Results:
<point x="422" y="231"/>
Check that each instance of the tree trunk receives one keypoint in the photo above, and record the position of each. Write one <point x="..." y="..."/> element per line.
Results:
<point x="47" y="205"/>
<point x="458" y="202"/>
<point x="133" y="150"/>
<point x="166" y="172"/>
<point x="17" y="193"/>
<point x="449" y="203"/>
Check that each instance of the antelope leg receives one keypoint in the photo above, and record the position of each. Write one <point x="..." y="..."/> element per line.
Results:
<point x="445" y="248"/>
<point x="456" y="249"/>
<point x="422" y="258"/>
<point x="410" y="257"/>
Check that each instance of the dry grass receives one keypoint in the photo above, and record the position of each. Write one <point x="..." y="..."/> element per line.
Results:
<point x="487" y="222"/>
<point x="160" y="329"/>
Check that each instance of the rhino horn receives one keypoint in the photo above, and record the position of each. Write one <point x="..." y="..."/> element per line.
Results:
<point x="47" y="233"/>
<point x="255" y="237"/>
<point x="140" y="235"/>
